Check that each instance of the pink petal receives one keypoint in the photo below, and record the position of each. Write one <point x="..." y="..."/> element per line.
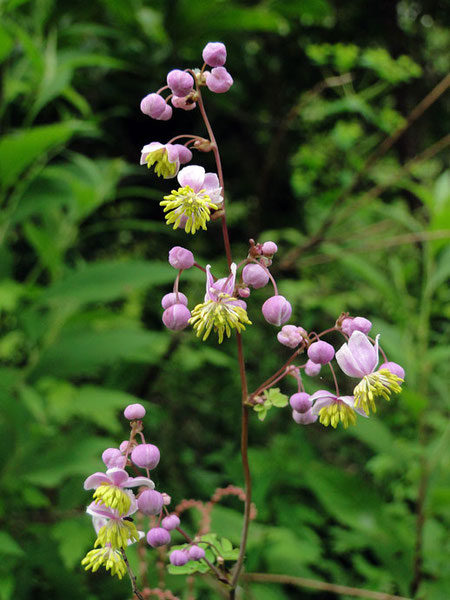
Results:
<point x="194" y="176"/>
<point x="93" y="481"/>
<point x="347" y="362"/>
<point x="319" y="404"/>
<point x="118" y="476"/>
<point x="136" y="481"/>
<point x="209" y="284"/>
<point x="100" y="510"/>
<point x="350" y="401"/>
<point x="364" y="353"/>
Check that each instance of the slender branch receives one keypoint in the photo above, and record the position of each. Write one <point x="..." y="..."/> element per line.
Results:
<point x="387" y="143"/>
<point x="321" y="585"/>
<point x="132" y="576"/>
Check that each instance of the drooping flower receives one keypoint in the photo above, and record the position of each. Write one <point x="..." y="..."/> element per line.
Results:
<point x="165" y="158"/>
<point x="359" y="358"/>
<point x="114" y="528"/>
<point x="190" y="206"/>
<point x="109" y="488"/>
<point x="332" y="409"/>
<point x="220" y="311"/>
<point x="111" y="559"/>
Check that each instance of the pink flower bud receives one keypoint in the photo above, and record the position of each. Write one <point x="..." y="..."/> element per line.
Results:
<point x="214" y="54"/>
<point x="181" y="258"/>
<point x="124" y="446"/>
<point x="170" y="299"/>
<point x="134" y="411"/>
<point x="300" y="402"/>
<point x="145" y="456"/>
<point x="269" y="248"/>
<point x="184" y="154"/>
<point x="321" y="352"/>
<point x="158" y="536"/>
<point x="180" y="82"/>
<point x="167" y="114"/>
<point x="170" y="522"/>
<point x="176" y="317"/>
<point x="113" y="457"/>
<point x="244" y="292"/>
<point x="304" y="418"/>
<point x="277" y="310"/>
<point x="289" y="336"/>
<point x="255" y="275"/>
<point x="180" y="102"/>
<point x="153" y="105"/>
<point x="219" y="80"/>
<point x="196" y="553"/>
<point x="312" y="369"/>
<point x="166" y="499"/>
<point x="150" y="502"/>
<point x="350" y="325"/>
<point x="394" y="368"/>
<point x="178" y="558"/>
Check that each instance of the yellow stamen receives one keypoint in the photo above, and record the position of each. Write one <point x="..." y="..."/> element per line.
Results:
<point x="381" y="383"/>
<point x="112" y="496"/>
<point x="160" y="159"/>
<point x="196" y="206"/>
<point x="336" y="412"/>
<point x="111" y="559"/>
<point x="220" y="315"/>
<point x="116" y="533"/>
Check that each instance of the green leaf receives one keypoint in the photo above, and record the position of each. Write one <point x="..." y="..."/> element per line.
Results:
<point x="73" y="536"/>
<point x="19" y="150"/>
<point x="9" y="546"/>
<point x="276" y="397"/>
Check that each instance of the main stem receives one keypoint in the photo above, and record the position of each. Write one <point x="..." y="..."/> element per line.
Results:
<point x="242" y="372"/>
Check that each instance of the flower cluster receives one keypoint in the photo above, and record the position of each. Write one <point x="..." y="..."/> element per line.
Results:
<point x="114" y="503"/>
<point x="357" y="358"/>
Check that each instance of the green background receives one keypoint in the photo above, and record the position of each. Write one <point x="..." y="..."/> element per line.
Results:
<point x="83" y="267"/>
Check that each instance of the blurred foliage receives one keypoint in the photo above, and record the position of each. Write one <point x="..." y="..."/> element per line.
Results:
<point x="318" y="85"/>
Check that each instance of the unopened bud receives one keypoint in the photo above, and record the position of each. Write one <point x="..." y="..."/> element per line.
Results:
<point x="312" y="369"/>
<point x="181" y="258"/>
<point x="255" y="275"/>
<point x="300" y="402"/>
<point x="150" y="502"/>
<point x="176" y="317"/>
<point x="214" y="54"/>
<point x="321" y="352"/>
<point x="158" y="536"/>
<point x="145" y="456"/>
<point x="277" y="310"/>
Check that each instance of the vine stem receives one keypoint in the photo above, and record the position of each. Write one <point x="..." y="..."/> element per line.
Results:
<point x="132" y="576"/>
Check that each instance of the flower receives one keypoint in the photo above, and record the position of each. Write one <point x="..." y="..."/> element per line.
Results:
<point x="165" y="158"/>
<point x="221" y="310"/>
<point x="111" y="559"/>
<point x="214" y="54"/>
<point x="114" y="528"/>
<point x="109" y="488"/>
<point x="219" y="80"/>
<point x="331" y="409"/>
<point x="192" y="202"/>
<point x="277" y="310"/>
<point x="359" y="358"/>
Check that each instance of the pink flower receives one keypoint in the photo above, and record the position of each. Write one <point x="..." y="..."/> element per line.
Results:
<point x="277" y="310"/>
<point x="214" y="54"/>
<point x="109" y="487"/>
<point x="165" y="158"/>
<point x="180" y="82"/>
<point x="219" y="80"/>
<point x="331" y="409"/>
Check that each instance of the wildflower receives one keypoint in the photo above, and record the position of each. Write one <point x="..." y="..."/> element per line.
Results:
<point x="173" y="298"/>
<point x="154" y="106"/>
<point x="291" y="335"/>
<point x="349" y="325"/>
<point x="158" y="536"/>
<point x="150" y="502"/>
<point x="178" y="558"/>
<point x="113" y="528"/>
<point x="176" y="316"/>
<point x="359" y="358"/>
<point x="184" y="102"/>
<point x="219" y="80"/>
<point x="134" y="411"/>
<point x="192" y="202"/>
<point x="331" y="409"/>
<point x="109" y="488"/>
<point x="146" y="456"/>
<point x="214" y="54"/>
<point x="321" y="352"/>
<point x="311" y="368"/>
<point x="165" y="158"/>
<point x="111" y="559"/>
<point x="255" y="275"/>
<point x="221" y="310"/>
<point x="181" y="258"/>
<point x="306" y="418"/>
<point x="277" y="310"/>
<point x="269" y="249"/>
<point x="180" y="82"/>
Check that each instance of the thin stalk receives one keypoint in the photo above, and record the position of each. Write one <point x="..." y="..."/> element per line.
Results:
<point x="132" y="577"/>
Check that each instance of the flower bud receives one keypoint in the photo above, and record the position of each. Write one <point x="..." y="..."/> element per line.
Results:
<point x="244" y="292"/>
<point x="150" y="502"/>
<point x="304" y="418"/>
<point x="153" y="105"/>
<point x="184" y="154"/>
<point x="277" y="310"/>
<point x="300" y="402"/>
<point x="181" y="258"/>
<point x="134" y="411"/>
<point x="178" y="558"/>
<point x="113" y="457"/>
<point x="219" y="80"/>
<point x="180" y="102"/>
<point x="158" y="536"/>
<point x="214" y="54"/>
<point x="170" y="522"/>
<point x="124" y="446"/>
<point x="269" y="248"/>
<point x="394" y="368"/>
<point x="350" y="325"/>
<point x="166" y="499"/>
<point x="255" y="275"/>
<point x="195" y="553"/>
<point x="170" y="299"/>
<point x="176" y="317"/>
<point x="289" y="336"/>
<point x="180" y="82"/>
<point x="312" y="369"/>
<point x="167" y="114"/>
<point x="145" y="456"/>
<point x="321" y="352"/>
